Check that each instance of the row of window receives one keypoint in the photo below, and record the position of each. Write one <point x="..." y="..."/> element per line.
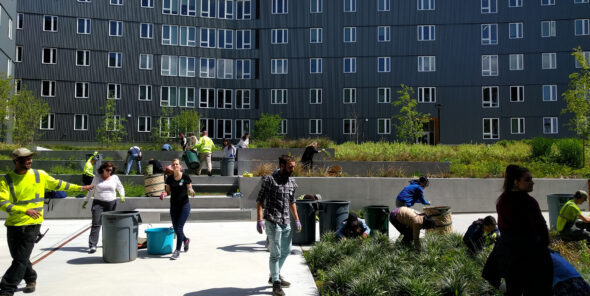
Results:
<point x="489" y="63"/>
<point x="491" y="6"/>
<point x="281" y="66"/>
<point x="491" y="126"/>
<point x="489" y="32"/>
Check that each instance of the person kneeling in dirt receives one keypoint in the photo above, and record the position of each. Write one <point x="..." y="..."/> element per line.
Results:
<point x="481" y="233"/>
<point x="353" y="227"/>
<point x="568" y="227"/>
<point x="409" y="222"/>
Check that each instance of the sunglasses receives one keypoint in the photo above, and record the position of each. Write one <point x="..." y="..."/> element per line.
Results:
<point x="108" y="170"/>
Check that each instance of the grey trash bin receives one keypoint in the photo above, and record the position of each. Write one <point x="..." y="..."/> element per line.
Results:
<point x="227" y="166"/>
<point x="554" y="203"/>
<point x="332" y="214"/>
<point x="306" y="211"/>
<point x="119" y="236"/>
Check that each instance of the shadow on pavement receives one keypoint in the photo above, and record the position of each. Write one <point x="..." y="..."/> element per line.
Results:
<point x="231" y="292"/>
<point x="252" y="247"/>
<point x="143" y="254"/>
<point x="86" y="260"/>
<point x="68" y="249"/>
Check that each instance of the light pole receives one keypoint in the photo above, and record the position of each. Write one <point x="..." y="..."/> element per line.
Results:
<point x="438" y="116"/>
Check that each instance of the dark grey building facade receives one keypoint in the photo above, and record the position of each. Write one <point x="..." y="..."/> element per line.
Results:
<point x="485" y="70"/>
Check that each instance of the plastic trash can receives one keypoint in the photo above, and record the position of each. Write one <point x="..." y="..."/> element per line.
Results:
<point x="227" y="166"/>
<point x="119" y="236"/>
<point x="306" y="211"/>
<point x="332" y="214"/>
<point x="191" y="159"/>
<point x="159" y="240"/>
<point x="377" y="218"/>
<point x="554" y="203"/>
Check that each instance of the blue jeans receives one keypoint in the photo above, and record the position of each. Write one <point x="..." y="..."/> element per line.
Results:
<point x="130" y="160"/>
<point x="179" y="215"/>
<point x="279" y="238"/>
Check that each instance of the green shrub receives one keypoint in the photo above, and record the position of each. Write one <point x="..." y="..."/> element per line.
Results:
<point x="134" y="189"/>
<point x="569" y="152"/>
<point x="541" y="147"/>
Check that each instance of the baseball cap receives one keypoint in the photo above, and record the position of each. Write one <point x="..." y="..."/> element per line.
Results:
<point x="22" y="152"/>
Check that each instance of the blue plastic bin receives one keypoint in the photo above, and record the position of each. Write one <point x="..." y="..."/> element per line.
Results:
<point x="159" y="240"/>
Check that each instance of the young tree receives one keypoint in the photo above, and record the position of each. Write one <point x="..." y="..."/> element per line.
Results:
<point x="111" y="130"/>
<point x="186" y="122"/>
<point x="5" y="93"/>
<point x="26" y="110"/>
<point x="577" y="98"/>
<point x="410" y="122"/>
<point x="163" y="131"/>
<point x="267" y="127"/>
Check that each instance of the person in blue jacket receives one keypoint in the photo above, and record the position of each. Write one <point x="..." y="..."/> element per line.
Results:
<point x="413" y="193"/>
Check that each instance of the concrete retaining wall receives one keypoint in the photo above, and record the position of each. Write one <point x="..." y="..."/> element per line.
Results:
<point x="274" y="153"/>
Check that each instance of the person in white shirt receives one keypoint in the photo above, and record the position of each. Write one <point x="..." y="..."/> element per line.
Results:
<point x="229" y="151"/>
<point x="105" y="199"/>
<point x="244" y="141"/>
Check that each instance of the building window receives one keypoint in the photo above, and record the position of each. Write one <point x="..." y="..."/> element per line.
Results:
<point x="548" y="29"/>
<point x="186" y="97"/>
<point x="349" y="95"/>
<point x="243" y="9"/>
<point x="278" y="96"/>
<point x="208" y="8"/>
<point x="170" y="35"/>
<point x="349" y="65"/>
<point x="517" y="93"/>
<point x="315" y="35"/>
<point x="383" y="64"/>
<point x="491" y="128"/>
<point x="316" y="6"/>
<point x="550" y="125"/>
<point x="116" y="28"/>
<point x="50" y="23"/>
<point x="582" y="27"/>
<point x="170" y="7"/>
<point x="426" y="63"/>
<point x="226" y="9"/>
<point x="384" y="126"/>
<point x="115" y="60"/>
<point x="114" y="124"/>
<point x="208" y="37"/>
<point x="517" y="125"/>
<point x="225" y="39"/>
<point x="383" y="95"/>
<point x="49" y="56"/>
<point x="242" y="127"/>
<point x="516" y="62"/>
<point x="47" y="88"/>
<point x="279" y="66"/>
<point x="349" y="34"/>
<point x="208" y="124"/>
<point x="489" y="34"/>
<point x="514" y="3"/>
<point x="549" y="60"/>
<point x="425" y="4"/>
<point x="242" y="99"/>
<point x="146" y="31"/>
<point x="489" y="6"/>
<point x="146" y="61"/>
<point x="280" y="6"/>
<point x="145" y="92"/>
<point x="383" y="34"/>
<point x="207" y="98"/>
<point x="383" y="5"/>
<point x="547" y="2"/>
<point x="168" y="96"/>
<point x="80" y="122"/>
<point x="515" y="30"/>
<point x="426" y="94"/>
<point x="224" y="98"/>
<point x="283" y="129"/>
<point x="207" y="68"/>
<point x="426" y="33"/>
<point x="279" y="36"/>
<point x="113" y="91"/>
<point x="147" y="3"/>
<point x="549" y="93"/>
<point x="144" y="124"/>
<point x="315" y="96"/>
<point x="116" y="2"/>
<point x="489" y="65"/>
<point x="20" y="19"/>
<point x="18" y="57"/>
<point x="315" y="66"/>
<point x="581" y="1"/>
<point x="243" y="39"/>
<point x="349" y="5"/>
<point x="47" y="122"/>
<point x="489" y="97"/>
<point x="224" y="128"/>
<point x="82" y="90"/>
<point x="84" y="26"/>
<point x="189" y="7"/>
<point x="315" y="126"/>
<point x="169" y="65"/>
<point x="243" y="69"/>
<point x="225" y="69"/>
<point x="82" y="58"/>
<point x="586" y="58"/>
<point x="349" y="126"/>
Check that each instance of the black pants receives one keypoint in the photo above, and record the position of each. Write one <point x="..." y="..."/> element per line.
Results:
<point x="179" y="215"/>
<point x="21" y="240"/>
<point x="98" y="207"/>
<point x="407" y="232"/>
<point x="87" y="180"/>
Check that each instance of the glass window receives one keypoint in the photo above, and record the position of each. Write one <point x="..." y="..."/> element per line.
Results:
<point x="168" y="96"/>
<point x="426" y="94"/>
<point x="383" y="95"/>
<point x="549" y="93"/>
<point x="280" y="6"/>
<point x="147" y="3"/>
<point x="586" y="58"/>
<point x="188" y="36"/>
<point x="383" y="34"/>
<point x="226" y="9"/>
<point x="349" y="5"/>
<point x="207" y="68"/>
<point x="189" y="7"/>
<point x="146" y="61"/>
<point x="279" y="66"/>
<point x="426" y="33"/>
<point x="243" y="9"/>
<point x="489" y="34"/>
<point x="20" y="18"/>
<point x="515" y="31"/>
<point x="489" y="97"/>
<point x="517" y="125"/>
<point x="349" y="65"/>
<point x="82" y="90"/>
<point x="426" y="63"/>
<point x="146" y="31"/>
<point x="516" y="62"/>
<point x="283" y="129"/>
<point x="243" y="100"/>
<point x="489" y="65"/>
<point x="349" y="126"/>
<point x="582" y="27"/>
<point x="315" y="35"/>
<point x="116" y="2"/>
<point x="349" y="95"/>
<point x="243" y="69"/>
<point x="425" y="4"/>
<point x="383" y="64"/>
<point x="186" y="66"/>
<point x="279" y="36"/>
<point x="315" y="96"/>
<point x="315" y="126"/>
<point x="242" y="127"/>
<point x="383" y="5"/>
<point x="225" y="38"/>
<point x="80" y="122"/>
<point x="489" y="6"/>
<point x="208" y="8"/>
<point x="514" y="3"/>
<point x="49" y="56"/>
<point x="550" y="125"/>
<point x="115" y="60"/>
<point x="170" y="35"/>
<point x="225" y="69"/>
<point x="82" y="58"/>
<point x="170" y="7"/>
<point x="278" y="96"/>
<point x="224" y="128"/>
<point x="47" y="88"/>
<point x="315" y="66"/>
<point x="491" y="128"/>
<point x="207" y="98"/>
<point x="50" y="23"/>
<point x="47" y="122"/>
<point x="349" y="34"/>
<point x="116" y="28"/>
<point x="144" y="124"/>
<point x="113" y="91"/>
<point x="316" y="6"/>
<point x="208" y="37"/>
<point x="547" y="2"/>
<point x="549" y="60"/>
<point x="243" y="39"/>
<point x="18" y="57"/>
<point x="517" y="93"/>
<point x="145" y="93"/>
<point x="83" y="26"/>
<point x="224" y="98"/>
<point x="384" y="126"/>
<point x="548" y="29"/>
<point x="169" y="65"/>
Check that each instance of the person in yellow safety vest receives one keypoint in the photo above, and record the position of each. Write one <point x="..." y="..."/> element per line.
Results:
<point x="568" y="227"/>
<point x="88" y="174"/>
<point x="22" y="193"/>
<point x="205" y="147"/>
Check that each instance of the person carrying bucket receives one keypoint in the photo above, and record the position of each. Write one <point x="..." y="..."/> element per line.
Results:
<point x="413" y="193"/>
<point x="353" y="227"/>
<point x="409" y="222"/>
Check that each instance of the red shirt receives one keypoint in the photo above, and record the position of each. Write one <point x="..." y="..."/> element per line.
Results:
<point x="519" y="214"/>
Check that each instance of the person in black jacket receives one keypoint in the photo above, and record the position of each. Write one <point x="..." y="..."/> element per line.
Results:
<point x="481" y="233"/>
<point x="307" y="158"/>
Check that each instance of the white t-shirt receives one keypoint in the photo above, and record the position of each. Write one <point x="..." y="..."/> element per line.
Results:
<point x="244" y="143"/>
<point x="105" y="189"/>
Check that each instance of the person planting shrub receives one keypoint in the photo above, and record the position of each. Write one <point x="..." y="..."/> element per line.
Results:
<point x="409" y="222"/>
<point x="571" y="229"/>
<point x="413" y="193"/>
<point x="481" y="233"/>
<point x="353" y="227"/>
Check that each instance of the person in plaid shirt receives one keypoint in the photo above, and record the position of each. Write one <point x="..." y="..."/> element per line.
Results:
<point x="276" y="198"/>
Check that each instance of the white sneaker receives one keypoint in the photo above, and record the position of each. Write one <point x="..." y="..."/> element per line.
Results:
<point x="92" y="250"/>
<point x="175" y="255"/>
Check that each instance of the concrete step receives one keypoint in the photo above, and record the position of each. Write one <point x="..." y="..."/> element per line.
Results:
<point x="163" y="215"/>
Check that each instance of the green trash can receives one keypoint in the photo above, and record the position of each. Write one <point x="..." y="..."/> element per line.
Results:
<point x="554" y="203"/>
<point x="227" y="166"/>
<point x="377" y="218"/>
<point x="119" y="236"/>
<point x="332" y="214"/>
<point x="191" y="159"/>
<point x="306" y="211"/>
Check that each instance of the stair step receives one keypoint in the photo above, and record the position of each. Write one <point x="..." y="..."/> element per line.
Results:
<point x="160" y="215"/>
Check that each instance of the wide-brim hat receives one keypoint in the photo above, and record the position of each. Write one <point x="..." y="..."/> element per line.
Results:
<point x="22" y="152"/>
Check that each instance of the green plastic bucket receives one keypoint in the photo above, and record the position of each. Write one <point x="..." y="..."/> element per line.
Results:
<point x="377" y="218"/>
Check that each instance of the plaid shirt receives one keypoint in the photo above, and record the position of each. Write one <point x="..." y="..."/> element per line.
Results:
<point x="276" y="194"/>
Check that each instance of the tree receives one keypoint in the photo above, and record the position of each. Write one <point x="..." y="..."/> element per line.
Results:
<point x="186" y="122"/>
<point x="5" y="93"/>
<point x="26" y="110"/>
<point x="163" y="131"/>
<point x="111" y="130"/>
<point x="410" y="122"/>
<point x="267" y="127"/>
<point x="577" y="98"/>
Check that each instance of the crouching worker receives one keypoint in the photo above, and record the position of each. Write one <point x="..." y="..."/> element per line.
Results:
<point x="413" y="193"/>
<point x="409" y="222"/>
<point x="353" y="227"/>
<point x="481" y="233"/>
<point x="569" y="228"/>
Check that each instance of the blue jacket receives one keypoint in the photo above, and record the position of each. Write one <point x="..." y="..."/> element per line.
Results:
<point x="412" y="194"/>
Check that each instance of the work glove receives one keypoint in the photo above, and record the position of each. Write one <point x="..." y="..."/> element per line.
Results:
<point x="84" y="204"/>
<point x="298" y="224"/>
<point x="191" y="193"/>
<point x="162" y="195"/>
<point x="122" y="199"/>
<point x="260" y="226"/>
